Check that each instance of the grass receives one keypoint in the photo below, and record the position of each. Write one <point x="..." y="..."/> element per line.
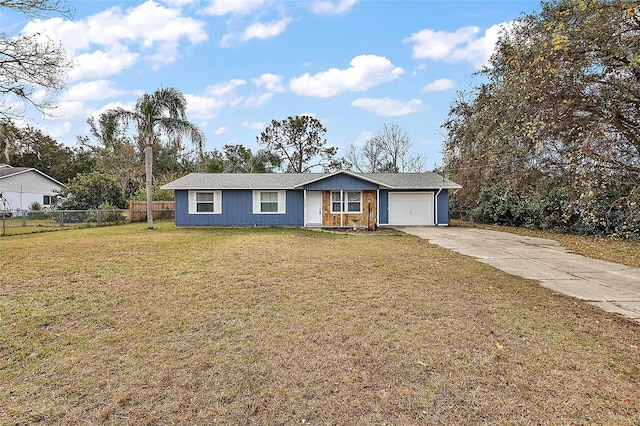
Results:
<point x="16" y="226"/>
<point x="610" y="249"/>
<point x="122" y="325"/>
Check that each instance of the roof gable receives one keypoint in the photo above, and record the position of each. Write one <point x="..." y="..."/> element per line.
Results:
<point x="340" y="181"/>
<point x="9" y="171"/>
<point x="324" y="176"/>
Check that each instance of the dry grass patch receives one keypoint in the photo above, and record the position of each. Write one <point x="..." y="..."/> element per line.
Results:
<point x="281" y="326"/>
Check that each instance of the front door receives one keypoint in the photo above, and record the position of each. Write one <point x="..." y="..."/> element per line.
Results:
<point x="314" y="208"/>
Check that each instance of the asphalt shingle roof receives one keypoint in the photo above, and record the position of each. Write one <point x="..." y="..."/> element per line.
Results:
<point x="8" y="171"/>
<point x="296" y="180"/>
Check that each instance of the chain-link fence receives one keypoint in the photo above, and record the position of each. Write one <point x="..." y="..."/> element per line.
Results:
<point x="24" y="222"/>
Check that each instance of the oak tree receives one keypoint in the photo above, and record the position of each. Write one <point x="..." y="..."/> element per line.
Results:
<point x="551" y="138"/>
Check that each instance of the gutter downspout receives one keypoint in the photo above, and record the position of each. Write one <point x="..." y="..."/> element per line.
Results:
<point x="436" y="203"/>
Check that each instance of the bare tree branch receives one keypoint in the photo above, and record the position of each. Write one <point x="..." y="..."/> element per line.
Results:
<point x="38" y="8"/>
<point x="30" y="64"/>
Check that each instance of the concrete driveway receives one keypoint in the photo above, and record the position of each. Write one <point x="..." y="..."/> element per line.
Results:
<point x="609" y="286"/>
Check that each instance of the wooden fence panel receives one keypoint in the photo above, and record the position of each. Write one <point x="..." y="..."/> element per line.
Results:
<point x="162" y="210"/>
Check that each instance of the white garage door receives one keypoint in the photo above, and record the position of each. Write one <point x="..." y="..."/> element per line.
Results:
<point x="411" y="208"/>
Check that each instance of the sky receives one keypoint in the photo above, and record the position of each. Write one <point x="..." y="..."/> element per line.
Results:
<point x="355" y="65"/>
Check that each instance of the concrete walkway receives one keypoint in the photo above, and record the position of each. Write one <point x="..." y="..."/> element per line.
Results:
<point x="609" y="286"/>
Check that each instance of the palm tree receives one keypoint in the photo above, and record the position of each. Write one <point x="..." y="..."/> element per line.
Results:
<point x="164" y="112"/>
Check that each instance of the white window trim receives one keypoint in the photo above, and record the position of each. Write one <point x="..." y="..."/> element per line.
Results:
<point x="344" y="202"/>
<point x="331" y="202"/>
<point x="282" y="202"/>
<point x="217" y="202"/>
<point x="52" y="200"/>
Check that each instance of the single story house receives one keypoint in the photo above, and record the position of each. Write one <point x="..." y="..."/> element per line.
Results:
<point x="339" y="199"/>
<point x="23" y="186"/>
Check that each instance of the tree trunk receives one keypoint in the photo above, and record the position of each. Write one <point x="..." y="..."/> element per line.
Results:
<point x="148" y="163"/>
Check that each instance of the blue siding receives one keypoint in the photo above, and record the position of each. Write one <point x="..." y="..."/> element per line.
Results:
<point x="237" y="210"/>
<point x="443" y="207"/>
<point x="341" y="182"/>
<point x="383" y="207"/>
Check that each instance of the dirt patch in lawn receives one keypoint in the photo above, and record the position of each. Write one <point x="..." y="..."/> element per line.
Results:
<point x="283" y="326"/>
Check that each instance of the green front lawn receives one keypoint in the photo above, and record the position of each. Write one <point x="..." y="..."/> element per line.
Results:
<point x="121" y="325"/>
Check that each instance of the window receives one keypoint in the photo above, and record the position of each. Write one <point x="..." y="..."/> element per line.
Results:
<point x="352" y="202"/>
<point x="48" y="200"/>
<point x="269" y="202"/>
<point x="336" y="202"/>
<point x="205" y="202"/>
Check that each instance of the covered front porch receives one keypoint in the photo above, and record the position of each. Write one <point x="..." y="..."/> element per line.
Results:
<point x="341" y="208"/>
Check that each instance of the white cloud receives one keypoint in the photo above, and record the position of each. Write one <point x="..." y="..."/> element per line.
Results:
<point x="239" y="7"/>
<point x="388" y="107"/>
<point x="439" y="85"/>
<point x="215" y="98"/>
<point x="363" y="138"/>
<point x="179" y="3"/>
<point x="93" y="90"/>
<point x="437" y="45"/>
<point x="111" y="105"/>
<point x="57" y="129"/>
<point x="480" y="50"/>
<point x="253" y="125"/>
<point x="258" y="30"/>
<point x="465" y="44"/>
<point x="226" y="88"/>
<point x="365" y="72"/>
<point x="419" y="68"/>
<point x="258" y="101"/>
<point x="270" y="82"/>
<point x="221" y="130"/>
<point x="70" y="109"/>
<point x="102" y="63"/>
<point x="330" y="8"/>
<point x="203" y="107"/>
<point x="154" y="30"/>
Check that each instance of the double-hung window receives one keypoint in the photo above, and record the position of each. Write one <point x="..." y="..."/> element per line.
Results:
<point x="336" y="202"/>
<point x="346" y="202"/>
<point x="205" y="202"/>
<point x="354" y="202"/>
<point x="269" y="202"/>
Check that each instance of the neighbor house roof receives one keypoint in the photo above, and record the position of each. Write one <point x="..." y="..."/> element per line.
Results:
<point x="8" y="171"/>
<point x="426" y="180"/>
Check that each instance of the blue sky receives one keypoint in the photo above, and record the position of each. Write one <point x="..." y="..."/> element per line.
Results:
<point x="353" y="64"/>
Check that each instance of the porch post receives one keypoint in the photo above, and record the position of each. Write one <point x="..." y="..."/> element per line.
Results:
<point x="377" y="207"/>
<point x="341" y="208"/>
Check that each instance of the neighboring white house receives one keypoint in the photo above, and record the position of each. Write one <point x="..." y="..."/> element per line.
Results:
<point x="23" y="186"/>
